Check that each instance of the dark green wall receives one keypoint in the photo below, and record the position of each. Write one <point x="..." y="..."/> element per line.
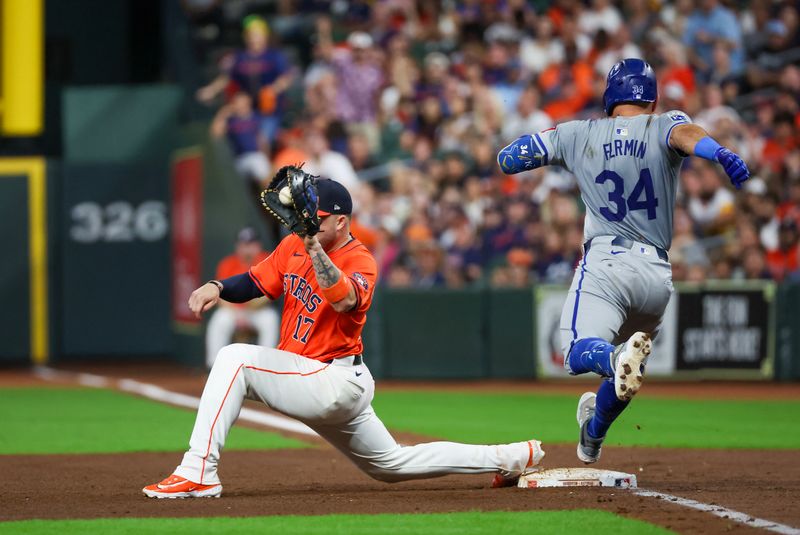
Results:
<point x="451" y="334"/>
<point x="787" y="332"/>
<point x="510" y="321"/>
<point x="14" y="270"/>
<point x="434" y="334"/>
<point x="115" y="280"/>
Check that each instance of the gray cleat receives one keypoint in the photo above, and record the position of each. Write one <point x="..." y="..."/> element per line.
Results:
<point x="588" y="447"/>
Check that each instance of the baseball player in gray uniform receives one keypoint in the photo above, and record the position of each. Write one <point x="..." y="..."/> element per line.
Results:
<point x="627" y="168"/>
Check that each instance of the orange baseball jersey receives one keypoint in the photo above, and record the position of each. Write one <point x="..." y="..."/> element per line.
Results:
<point x="232" y="265"/>
<point x="309" y="325"/>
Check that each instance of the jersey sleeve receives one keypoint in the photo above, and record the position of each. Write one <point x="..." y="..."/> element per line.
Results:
<point x="362" y="270"/>
<point x="268" y="274"/>
<point x="665" y="123"/>
<point x="559" y="144"/>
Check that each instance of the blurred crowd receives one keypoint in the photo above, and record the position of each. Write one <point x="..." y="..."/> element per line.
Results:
<point x="407" y="102"/>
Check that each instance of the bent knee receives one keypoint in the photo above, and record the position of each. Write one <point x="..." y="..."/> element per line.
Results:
<point x="232" y="355"/>
<point x="382" y="473"/>
<point x="386" y="468"/>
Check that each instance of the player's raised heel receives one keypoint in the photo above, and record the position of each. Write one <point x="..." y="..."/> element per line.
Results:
<point x="179" y="487"/>
<point x="588" y="447"/>
<point x="629" y="369"/>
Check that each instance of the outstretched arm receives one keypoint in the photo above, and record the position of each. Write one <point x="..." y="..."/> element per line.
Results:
<point x="691" y="139"/>
<point x="335" y="286"/>
<point x="207" y="93"/>
<point x="219" y="125"/>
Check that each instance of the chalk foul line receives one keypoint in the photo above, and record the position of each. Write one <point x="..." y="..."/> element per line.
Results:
<point x="722" y="512"/>
<point x="157" y="393"/>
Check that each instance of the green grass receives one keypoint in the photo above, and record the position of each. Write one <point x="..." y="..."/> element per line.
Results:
<point x="532" y="522"/>
<point x="497" y="418"/>
<point x="102" y="421"/>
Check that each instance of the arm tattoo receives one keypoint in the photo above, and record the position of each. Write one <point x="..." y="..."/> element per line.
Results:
<point x="327" y="273"/>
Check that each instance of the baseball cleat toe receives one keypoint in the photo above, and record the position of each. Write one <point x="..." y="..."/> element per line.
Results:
<point x="179" y="487"/>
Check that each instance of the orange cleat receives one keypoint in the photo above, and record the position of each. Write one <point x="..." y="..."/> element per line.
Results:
<point x="179" y="487"/>
<point x="535" y="456"/>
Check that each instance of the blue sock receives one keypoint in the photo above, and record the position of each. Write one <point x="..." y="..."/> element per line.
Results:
<point x="608" y="408"/>
<point x="591" y="355"/>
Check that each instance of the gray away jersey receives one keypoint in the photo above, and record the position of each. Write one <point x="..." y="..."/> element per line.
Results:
<point x="626" y="171"/>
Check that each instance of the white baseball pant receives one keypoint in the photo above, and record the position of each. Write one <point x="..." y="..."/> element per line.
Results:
<point x="334" y="400"/>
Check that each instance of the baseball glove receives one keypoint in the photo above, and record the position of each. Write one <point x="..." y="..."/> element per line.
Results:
<point x="292" y="198"/>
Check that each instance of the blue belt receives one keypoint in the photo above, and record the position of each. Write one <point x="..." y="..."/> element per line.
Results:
<point x="619" y="241"/>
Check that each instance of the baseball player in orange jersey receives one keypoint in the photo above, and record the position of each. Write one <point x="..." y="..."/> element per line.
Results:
<point x="317" y="374"/>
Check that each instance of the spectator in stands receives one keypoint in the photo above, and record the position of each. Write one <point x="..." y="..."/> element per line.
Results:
<point x="427" y="265"/>
<point x="765" y="216"/>
<point x="676" y="68"/>
<point x="240" y="124"/>
<point x="784" y="259"/>
<point x="780" y="144"/>
<point x="433" y="76"/>
<point x="443" y="82"/>
<point x="711" y="206"/>
<point x="790" y="17"/>
<point x="544" y="49"/>
<point x="771" y="57"/>
<point x="293" y="149"/>
<point x="715" y="111"/>
<point x="620" y="48"/>
<point x="328" y="163"/>
<point x="262" y="72"/>
<point x="520" y="261"/>
<point x="528" y="116"/>
<point x="567" y="86"/>
<point x="685" y="246"/>
<point x="358" y="151"/>
<point x="672" y="97"/>
<point x="602" y="15"/>
<point x="754" y="265"/>
<point x="258" y="314"/>
<point x="641" y="16"/>
<point x="711" y="25"/>
<point x="359" y="79"/>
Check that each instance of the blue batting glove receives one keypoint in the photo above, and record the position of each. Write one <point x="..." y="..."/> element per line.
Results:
<point x="523" y="154"/>
<point x="737" y="170"/>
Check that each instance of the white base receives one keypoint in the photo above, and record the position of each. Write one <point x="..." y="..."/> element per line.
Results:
<point x="576" y="477"/>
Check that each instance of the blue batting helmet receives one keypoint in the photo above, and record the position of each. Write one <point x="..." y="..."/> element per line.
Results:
<point x="630" y="80"/>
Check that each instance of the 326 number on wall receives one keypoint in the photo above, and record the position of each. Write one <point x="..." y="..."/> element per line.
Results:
<point x="119" y="221"/>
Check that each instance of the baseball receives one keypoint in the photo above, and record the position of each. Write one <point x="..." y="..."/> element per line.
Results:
<point x="285" y="196"/>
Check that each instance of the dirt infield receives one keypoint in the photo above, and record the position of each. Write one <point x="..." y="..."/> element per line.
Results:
<point x="320" y="481"/>
<point x="764" y="484"/>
